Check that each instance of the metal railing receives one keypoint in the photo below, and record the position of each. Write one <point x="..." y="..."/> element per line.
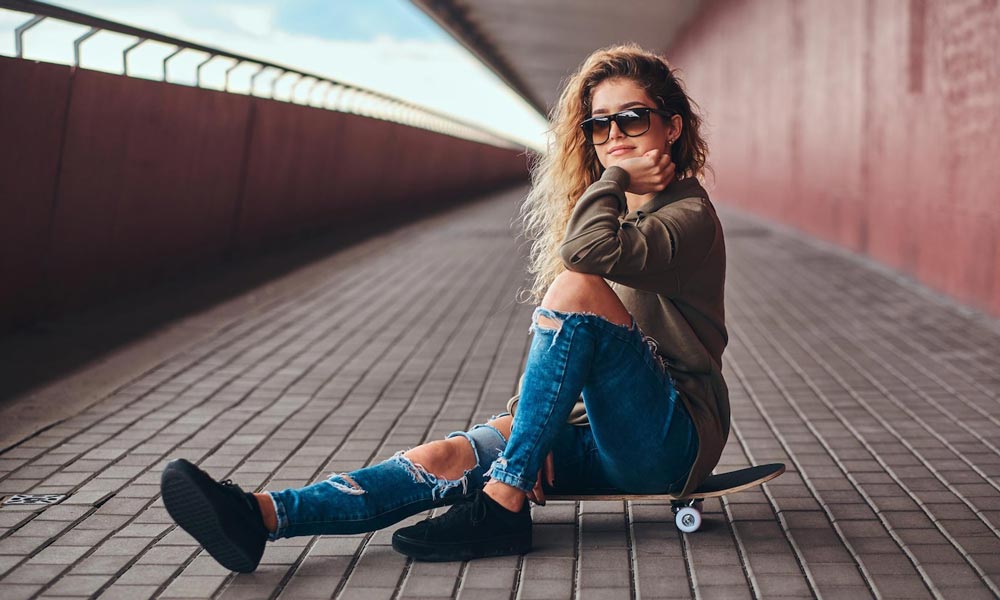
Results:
<point x="337" y="96"/>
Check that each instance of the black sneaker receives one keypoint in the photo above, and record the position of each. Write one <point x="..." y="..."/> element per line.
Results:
<point x="221" y="516"/>
<point x="473" y="528"/>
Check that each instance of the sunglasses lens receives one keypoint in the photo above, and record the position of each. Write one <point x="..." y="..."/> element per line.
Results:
<point x="596" y="130"/>
<point x="602" y="127"/>
<point x="633" y="122"/>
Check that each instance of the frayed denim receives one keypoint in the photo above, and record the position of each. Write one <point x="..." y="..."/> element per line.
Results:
<point x="640" y="438"/>
<point x="378" y="496"/>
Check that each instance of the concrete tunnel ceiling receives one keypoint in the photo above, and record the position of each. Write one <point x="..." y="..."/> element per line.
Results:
<point x="534" y="44"/>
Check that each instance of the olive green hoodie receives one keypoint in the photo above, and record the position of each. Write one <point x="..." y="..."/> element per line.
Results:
<point x="666" y="260"/>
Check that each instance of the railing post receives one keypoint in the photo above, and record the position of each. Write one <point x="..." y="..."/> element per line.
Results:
<point x="197" y="71"/>
<point x="236" y="64"/>
<point x="78" y="42"/>
<point x="253" y="78"/>
<point x="19" y="34"/>
<point x="167" y="59"/>
<point x="125" y="52"/>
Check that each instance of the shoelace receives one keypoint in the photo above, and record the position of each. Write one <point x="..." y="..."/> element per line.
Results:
<point x="477" y="508"/>
<point x="237" y="490"/>
<point x="231" y="487"/>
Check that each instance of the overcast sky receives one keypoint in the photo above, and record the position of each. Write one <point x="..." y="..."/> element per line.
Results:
<point x="386" y="45"/>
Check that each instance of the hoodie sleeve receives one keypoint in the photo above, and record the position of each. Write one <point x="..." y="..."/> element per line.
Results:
<point x="652" y="252"/>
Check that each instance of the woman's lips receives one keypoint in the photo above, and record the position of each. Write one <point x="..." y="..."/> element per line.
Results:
<point x="619" y="150"/>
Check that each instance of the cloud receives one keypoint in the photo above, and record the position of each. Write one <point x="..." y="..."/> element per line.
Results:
<point x="253" y="20"/>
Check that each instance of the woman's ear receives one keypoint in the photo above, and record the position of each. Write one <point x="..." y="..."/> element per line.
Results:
<point x="676" y="126"/>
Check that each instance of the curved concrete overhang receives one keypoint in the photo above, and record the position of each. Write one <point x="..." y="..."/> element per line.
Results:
<point x="534" y="44"/>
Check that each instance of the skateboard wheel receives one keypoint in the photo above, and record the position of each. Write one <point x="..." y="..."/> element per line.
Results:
<point x="688" y="519"/>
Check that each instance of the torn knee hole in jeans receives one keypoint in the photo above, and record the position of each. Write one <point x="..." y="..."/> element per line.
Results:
<point x="544" y="322"/>
<point x="439" y="485"/>
<point x="346" y="484"/>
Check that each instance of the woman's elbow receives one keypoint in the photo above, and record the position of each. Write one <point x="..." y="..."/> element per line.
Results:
<point x="575" y="259"/>
<point x="569" y="255"/>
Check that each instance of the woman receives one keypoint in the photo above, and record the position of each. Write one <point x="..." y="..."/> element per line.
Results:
<point x="622" y="388"/>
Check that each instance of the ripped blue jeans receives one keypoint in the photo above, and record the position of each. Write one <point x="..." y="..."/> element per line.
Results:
<point x="640" y="438"/>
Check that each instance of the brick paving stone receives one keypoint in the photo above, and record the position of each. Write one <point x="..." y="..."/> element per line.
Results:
<point x="989" y="562"/>
<point x="828" y="575"/>
<point x="554" y="540"/>
<point x="42" y="529"/>
<point x="440" y="586"/>
<point x="17" y="591"/>
<point x="602" y="594"/>
<point x="151" y="574"/>
<point x="60" y="555"/>
<point x="128" y="592"/>
<point x="193" y="586"/>
<point x="310" y="587"/>
<point x="901" y="586"/>
<point x="253" y="583"/>
<point x="488" y="578"/>
<point x="8" y="562"/>
<point x="775" y="584"/>
<point x="77" y="585"/>
<point x="483" y="594"/>
<point x="545" y="589"/>
<point x="34" y="573"/>
<point x="101" y="565"/>
<point x="167" y="555"/>
<point x="603" y="578"/>
<point x="374" y="576"/>
<point x="851" y="592"/>
<point x="664" y="586"/>
<point x="143" y="530"/>
<point x="122" y="546"/>
<point x="724" y="592"/>
<point x="771" y="563"/>
<point x="952" y="575"/>
<point x="367" y="594"/>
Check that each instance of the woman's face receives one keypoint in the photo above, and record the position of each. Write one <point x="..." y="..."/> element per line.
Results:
<point x="615" y="95"/>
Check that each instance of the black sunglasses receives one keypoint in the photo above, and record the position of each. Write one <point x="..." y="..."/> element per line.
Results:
<point x="632" y="122"/>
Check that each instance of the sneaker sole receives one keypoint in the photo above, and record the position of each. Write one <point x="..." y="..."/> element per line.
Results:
<point x="428" y="552"/>
<point x="193" y="511"/>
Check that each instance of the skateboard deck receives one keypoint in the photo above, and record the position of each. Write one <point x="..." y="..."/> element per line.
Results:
<point x="687" y="509"/>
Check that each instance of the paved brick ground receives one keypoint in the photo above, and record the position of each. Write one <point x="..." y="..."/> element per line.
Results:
<point x="880" y="397"/>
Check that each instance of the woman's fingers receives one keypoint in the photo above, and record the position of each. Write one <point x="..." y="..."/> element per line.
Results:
<point x="537" y="494"/>
<point x="549" y="469"/>
<point x="546" y="474"/>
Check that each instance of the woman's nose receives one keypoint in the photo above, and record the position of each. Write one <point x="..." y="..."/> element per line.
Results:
<point x="614" y="131"/>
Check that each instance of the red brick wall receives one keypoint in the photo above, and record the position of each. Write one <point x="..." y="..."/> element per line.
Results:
<point x="108" y="183"/>
<point x="874" y="124"/>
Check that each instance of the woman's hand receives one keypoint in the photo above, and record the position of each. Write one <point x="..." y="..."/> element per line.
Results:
<point x="547" y="474"/>
<point x="650" y="172"/>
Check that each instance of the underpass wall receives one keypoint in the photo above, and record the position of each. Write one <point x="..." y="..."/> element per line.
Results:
<point x="109" y="183"/>
<point x="874" y="125"/>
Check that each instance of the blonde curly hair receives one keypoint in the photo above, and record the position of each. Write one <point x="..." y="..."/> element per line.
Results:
<point x="560" y="176"/>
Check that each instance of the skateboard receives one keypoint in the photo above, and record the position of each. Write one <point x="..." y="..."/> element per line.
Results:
<point x="687" y="509"/>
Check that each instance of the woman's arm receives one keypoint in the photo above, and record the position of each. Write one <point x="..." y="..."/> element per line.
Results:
<point x="637" y="252"/>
